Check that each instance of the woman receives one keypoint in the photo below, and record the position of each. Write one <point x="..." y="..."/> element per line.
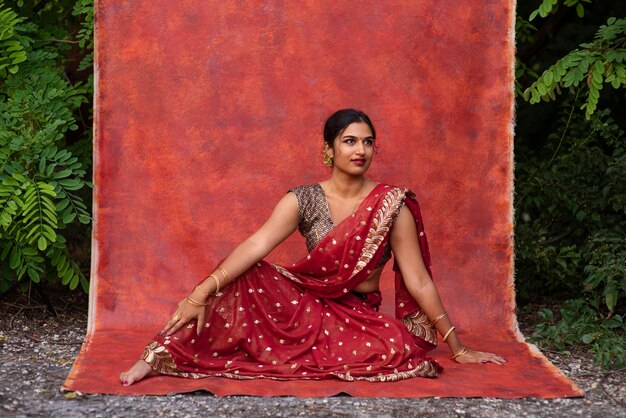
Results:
<point x="318" y="318"/>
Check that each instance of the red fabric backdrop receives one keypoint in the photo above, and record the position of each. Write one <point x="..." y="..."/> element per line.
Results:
<point x="208" y="111"/>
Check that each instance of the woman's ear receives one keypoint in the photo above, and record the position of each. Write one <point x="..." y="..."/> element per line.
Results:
<point x="328" y="150"/>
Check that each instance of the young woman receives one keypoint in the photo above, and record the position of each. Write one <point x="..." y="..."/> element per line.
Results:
<point x="318" y="318"/>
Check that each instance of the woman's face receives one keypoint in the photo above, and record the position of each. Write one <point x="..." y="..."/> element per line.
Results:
<point x="353" y="149"/>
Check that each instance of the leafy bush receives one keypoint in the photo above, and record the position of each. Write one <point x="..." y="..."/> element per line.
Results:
<point x="580" y="326"/>
<point x="41" y="181"/>
<point x="571" y="196"/>
<point x="606" y="275"/>
<point x="570" y="203"/>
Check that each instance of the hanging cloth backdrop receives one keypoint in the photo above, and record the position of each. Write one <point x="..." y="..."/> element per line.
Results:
<point x="207" y="112"/>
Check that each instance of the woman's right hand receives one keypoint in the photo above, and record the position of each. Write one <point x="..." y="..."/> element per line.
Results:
<point x="473" y="356"/>
<point x="185" y="313"/>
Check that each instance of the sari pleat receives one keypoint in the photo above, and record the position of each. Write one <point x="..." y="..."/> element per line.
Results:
<point x="304" y="321"/>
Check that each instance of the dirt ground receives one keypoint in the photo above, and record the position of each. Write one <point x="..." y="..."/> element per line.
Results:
<point x="37" y="351"/>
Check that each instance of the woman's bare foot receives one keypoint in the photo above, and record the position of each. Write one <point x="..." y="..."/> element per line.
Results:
<point x="140" y="370"/>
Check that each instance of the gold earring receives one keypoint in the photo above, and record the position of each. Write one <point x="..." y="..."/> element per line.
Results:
<point x="328" y="160"/>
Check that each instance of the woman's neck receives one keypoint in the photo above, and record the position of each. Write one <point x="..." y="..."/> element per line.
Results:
<point x="347" y="186"/>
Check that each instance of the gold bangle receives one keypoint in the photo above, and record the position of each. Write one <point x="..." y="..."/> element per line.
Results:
<point x="194" y="302"/>
<point x="460" y="353"/>
<point x="448" y="333"/>
<point x="202" y="289"/>
<point x="223" y="270"/>
<point x="439" y="317"/>
<point x="217" y="282"/>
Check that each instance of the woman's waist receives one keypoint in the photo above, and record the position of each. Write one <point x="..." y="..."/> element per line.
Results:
<point x="370" y="284"/>
<point x="371" y="299"/>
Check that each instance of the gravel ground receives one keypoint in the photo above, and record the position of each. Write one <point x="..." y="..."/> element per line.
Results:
<point x="38" y="349"/>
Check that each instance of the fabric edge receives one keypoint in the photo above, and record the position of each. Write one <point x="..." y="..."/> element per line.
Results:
<point x="93" y="273"/>
<point x="519" y="336"/>
<point x="68" y="384"/>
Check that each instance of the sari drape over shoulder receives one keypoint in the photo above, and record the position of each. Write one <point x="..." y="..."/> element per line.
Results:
<point x="304" y="321"/>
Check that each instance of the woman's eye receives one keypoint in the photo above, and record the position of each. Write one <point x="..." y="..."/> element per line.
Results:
<point x="349" y="141"/>
<point x="368" y="142"/>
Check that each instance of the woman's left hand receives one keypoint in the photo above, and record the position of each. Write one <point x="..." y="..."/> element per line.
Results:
<point x="472" y="356"/>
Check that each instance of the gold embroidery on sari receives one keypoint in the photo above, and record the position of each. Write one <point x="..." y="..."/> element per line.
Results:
<point x="159" y="358"/>
<point x="381" y="224"/>
<point x="286" y="273"/>
<point x="419" y="325"/>
<point x="426" y="369"/>
<point x="161" y="361"/>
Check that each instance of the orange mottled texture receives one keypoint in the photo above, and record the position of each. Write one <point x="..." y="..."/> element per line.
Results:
<point x="207" y="112"/>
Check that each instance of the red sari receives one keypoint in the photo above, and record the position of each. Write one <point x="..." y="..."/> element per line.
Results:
<point x="304" y="321"/>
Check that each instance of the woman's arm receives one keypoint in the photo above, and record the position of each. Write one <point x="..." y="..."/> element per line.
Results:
<point x="282" y="222"/>
<point x="279" y="226"/>
<point x="407" y="253"/>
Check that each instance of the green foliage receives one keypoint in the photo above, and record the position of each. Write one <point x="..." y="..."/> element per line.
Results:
<point x="572" y="208"/>
<point x="550" y="6"/>
<point x="84" y="9"/>
<point x="41" y="181"/>
<point x="579" y="325"/>
<point x="11" y="48"/>
<point x="606" y="275"/>
<point x="595" y="64"/>
<point x="570" y="190"/>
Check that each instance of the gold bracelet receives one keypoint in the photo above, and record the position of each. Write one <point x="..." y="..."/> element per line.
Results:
<point x="217" y="282"/>
<point x="448" y="333"/>
<point x="202" y="289"/>
<point x="460" y="353"/>
<point x="439" y="317"/>
<point x="194" y="302"/>
<point x="223" y="270"/>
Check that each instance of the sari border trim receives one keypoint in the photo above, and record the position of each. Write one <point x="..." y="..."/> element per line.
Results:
<point x="420" y="326"/>
<point x="161" y="361"/>
<point x="381" y="224"/>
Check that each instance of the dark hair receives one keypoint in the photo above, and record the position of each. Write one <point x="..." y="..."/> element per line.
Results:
<point x="340" y="120"/>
